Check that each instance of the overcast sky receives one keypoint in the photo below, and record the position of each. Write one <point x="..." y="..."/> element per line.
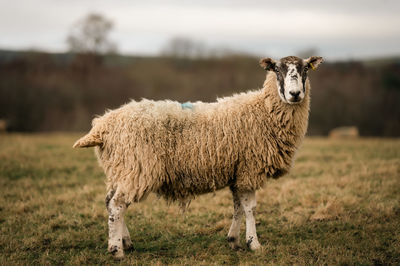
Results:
<point x="338" y="29"/>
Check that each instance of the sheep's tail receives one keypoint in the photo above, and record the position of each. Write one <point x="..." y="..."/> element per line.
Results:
<point x="90" y="140"/>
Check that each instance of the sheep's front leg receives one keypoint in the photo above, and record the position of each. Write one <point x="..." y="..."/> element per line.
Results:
<point x="126" y="238"/>
<point x="248" y="201"/>
<point x="234" y="231"/>
<point x="116" y="227"/>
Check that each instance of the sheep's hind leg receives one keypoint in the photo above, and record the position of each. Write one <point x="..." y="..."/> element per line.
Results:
<point x="248" y="201"/>
<point x="234" y="231"/>
<point x="116" y="227"/>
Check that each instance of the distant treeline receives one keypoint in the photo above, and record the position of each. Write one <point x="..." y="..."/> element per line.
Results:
<point x="63" y="92"/>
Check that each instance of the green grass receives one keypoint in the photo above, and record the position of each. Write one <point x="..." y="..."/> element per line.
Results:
<point x="339" y="205"/>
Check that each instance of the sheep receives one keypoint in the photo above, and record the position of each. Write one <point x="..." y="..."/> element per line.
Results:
<point x="180" y="151"/>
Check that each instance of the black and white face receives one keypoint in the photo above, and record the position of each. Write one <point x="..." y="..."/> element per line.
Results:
<point x="291" y="76"/>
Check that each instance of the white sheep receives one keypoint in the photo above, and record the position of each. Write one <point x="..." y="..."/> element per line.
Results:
<point x="180" y="151"/>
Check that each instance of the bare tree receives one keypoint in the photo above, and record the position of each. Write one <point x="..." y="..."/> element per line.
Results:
<point x="90" y="35"/>
<point x="184" y="48"/>
<point x="181" y="47"/>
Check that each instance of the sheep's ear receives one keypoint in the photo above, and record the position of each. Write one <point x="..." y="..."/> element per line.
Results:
<point x="268" y="63"/>
<point x="89" y="140"/>
<point x="313" y="62"/>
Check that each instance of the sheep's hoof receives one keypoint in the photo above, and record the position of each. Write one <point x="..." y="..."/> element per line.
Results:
<point x="119" y="256"/>
<point x="253" y="245"/>
<point x="116" y="252"/>
<point x="236" y="246"/>
<point x="234" y="243"/>
<point x="127" y="243"/>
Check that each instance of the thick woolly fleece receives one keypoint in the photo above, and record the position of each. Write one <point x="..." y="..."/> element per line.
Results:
<point x="158" y="146"/>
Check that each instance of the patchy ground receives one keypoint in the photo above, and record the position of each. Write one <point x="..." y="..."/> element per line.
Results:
<point x="339" y="205"/>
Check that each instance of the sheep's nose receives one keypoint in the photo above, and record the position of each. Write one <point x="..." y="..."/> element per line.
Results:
<point x="295" y="94"/>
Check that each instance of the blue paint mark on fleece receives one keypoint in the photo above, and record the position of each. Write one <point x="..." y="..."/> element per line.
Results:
<point x="187" y="105"/>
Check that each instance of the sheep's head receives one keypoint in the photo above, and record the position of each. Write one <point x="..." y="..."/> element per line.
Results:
<point x="291" y="75"/>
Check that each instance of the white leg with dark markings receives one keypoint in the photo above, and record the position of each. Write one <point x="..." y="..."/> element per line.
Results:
<point x="234" y="231"/>
<point x="116" y="226"/>
<point x="248" y="201"/>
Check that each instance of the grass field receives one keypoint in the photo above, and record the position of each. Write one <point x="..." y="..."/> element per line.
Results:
<point x="339" y="205"/>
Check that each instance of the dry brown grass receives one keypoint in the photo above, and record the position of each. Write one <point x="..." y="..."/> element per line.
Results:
<point x="339" y="205"/>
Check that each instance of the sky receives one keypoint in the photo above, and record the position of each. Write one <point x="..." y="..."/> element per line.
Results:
<point x="336" y="29"/>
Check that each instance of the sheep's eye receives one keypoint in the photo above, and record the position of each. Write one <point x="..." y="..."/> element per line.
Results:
<point x="306" y="68"/>
<point x="276" y="70"/>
